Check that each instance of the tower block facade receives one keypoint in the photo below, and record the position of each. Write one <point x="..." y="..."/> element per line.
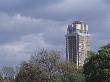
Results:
<point x="77" y="43"/>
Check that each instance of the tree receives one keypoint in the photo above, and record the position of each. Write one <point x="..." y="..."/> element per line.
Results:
<point x="48" y="63"/>
<point x="43" y="66"/>
<point x="70" y="73"/>
<point x="97" y="67"/>
<point x="67" y="71"/>
<point x="27" y="73"/>
<point x="8" y="73"/>
<point x="1" y="78"/>
<point x="46" y="66"/>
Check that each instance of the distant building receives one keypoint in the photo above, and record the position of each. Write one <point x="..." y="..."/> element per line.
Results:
<point x="77" y="43"/>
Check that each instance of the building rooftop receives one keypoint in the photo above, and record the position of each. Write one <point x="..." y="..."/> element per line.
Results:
<point x="78" y="22"/>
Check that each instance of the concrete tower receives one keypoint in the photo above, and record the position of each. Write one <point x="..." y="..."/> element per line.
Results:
<point x="77" y="43"/>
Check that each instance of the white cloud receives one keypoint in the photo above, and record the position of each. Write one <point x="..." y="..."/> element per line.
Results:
<point x="29" y="34"/>
<point x="22" y="49"/>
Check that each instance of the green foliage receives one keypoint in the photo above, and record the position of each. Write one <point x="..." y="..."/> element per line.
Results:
<point x="67" y="72"/>
<point x="97" y="67"/>
<point x="1" y="79"/>
<point x="27" y="73"/>
<point x="79" y="77"/>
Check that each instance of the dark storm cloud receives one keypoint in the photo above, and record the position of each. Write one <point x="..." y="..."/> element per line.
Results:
<point x="52" y="12"/>
<point x="70" y="10"/>
<point x="14" y="6"/>
<point x="12" y="28"/>
<point x="106" y="1"/>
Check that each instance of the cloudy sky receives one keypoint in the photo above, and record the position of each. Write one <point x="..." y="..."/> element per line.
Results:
<point x="30" y="25"/>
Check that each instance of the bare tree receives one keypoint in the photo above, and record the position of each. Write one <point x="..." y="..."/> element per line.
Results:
<point x="48" y="63"/>
<point x="45" y="66"/>
<point x="8" y="73"/>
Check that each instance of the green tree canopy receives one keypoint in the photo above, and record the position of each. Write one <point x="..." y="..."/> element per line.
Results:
<point x="97" y="67"/>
